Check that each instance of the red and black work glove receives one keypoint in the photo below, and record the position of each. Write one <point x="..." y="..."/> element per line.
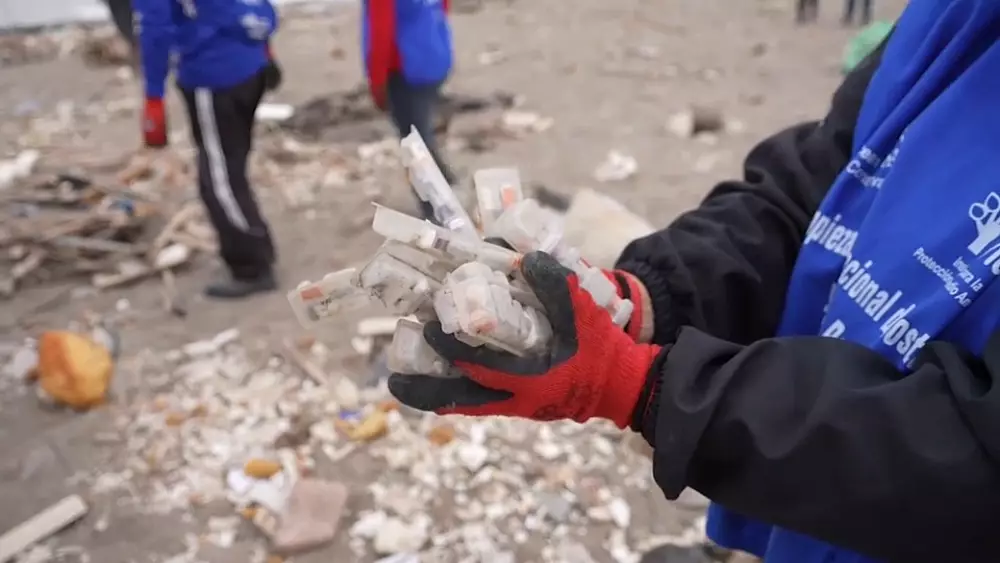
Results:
<point x="154" y="123"/>
<point x="272" y="72"/>
<point x="629" y="287"/>
<point x="591" y="370"/>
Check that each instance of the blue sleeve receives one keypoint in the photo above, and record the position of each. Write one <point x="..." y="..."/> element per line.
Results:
<point x="255" y="20"/>
<point x="155" y="30"/>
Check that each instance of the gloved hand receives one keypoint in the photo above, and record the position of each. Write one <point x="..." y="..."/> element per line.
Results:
<point x="272" y="72"/>
<point x="154" y="123"/>
<point x="629" y="287"/>
<point x="592" y="368"/>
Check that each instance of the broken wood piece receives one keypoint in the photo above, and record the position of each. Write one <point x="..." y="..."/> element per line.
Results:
<point x="292" y="354"/>
<point x="132" y="270"/>
<point x="128" y="271"/>
<point x="204" y="245"/>
<point x="41" y="526"/>
<point x="23" y="268"/>
<point x="97" y="245"/>
<point x="174" y="225"/>
<point x="71" y="226"/>
<point x="171" y="256"/>
<point x="200" y="230"/>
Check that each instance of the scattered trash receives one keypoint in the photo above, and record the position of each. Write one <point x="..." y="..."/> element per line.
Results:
<point x="518" y="122"/>
<point x="491" y="57"/>
<point x="616" y="167"/>
<point x="69" y="226"/>
<point x="350" y="115"/>
<point x="396" y="536"/>
<point x="372" y="427"/>
<point x="261" y="468"/>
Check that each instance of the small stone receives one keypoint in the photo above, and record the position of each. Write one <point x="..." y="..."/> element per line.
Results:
<point x="555" y="506"/>
<point x="395" y="536"/>
<point x="473" y="456"/>
<point x="547" y="450"/>
<point x="22" y="364"/>
<point x="621" y="512"/>
<point x="311" y="516"/>
<point x="616" y="167"/>
<point x="575" y="552"/>
<point x="369" y="524"/>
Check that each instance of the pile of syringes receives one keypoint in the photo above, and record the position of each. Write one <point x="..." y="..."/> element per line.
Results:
<point x="452" y="272"/>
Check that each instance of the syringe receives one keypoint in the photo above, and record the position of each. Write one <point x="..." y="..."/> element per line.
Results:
<point x="527" y="227"/>
<point x="401" y="227"/>
<point x="432" y="187"/>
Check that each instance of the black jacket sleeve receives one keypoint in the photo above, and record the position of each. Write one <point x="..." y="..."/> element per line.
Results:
<point x="724" y="266"/>
<point x="816" y="435"/>
<point x="825" y="437"/>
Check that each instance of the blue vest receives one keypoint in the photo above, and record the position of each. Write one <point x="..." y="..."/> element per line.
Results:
<point x="423" y="38"/>
<point x="905" y="247"/>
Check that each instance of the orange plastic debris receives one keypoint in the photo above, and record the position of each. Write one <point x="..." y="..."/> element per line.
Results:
<point x="261" y="468"/>
<point x="73" y="369"/>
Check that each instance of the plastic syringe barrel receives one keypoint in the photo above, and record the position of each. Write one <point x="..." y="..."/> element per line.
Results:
<point x="401" y="227"/>
<point x="526" y="227"/>
<point x="409" y="353"/>
<point x="432" y="187"/>
<point x="478" y="300"/>
<point x="496" y="190"/>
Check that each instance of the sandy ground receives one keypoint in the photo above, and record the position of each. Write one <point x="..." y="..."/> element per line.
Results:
<point x="609" y="73"/>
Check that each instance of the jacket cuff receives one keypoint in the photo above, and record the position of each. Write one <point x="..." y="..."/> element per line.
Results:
<point x="646" y="413"/>
<point x="657" y="324"/>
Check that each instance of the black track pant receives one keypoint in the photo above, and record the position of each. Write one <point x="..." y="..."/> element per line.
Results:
<point x="222" y="123"/>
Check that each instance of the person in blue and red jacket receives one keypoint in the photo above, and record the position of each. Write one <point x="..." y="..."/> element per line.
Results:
<point x="224" y="66"/>
<point x="816" y="346"/>
<point x="408" y="55"/>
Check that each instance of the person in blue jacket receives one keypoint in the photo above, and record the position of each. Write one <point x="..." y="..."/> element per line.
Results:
<point x="816" y="346"/>
<point x="408" y="55"/>
<point x="224" y="66"/>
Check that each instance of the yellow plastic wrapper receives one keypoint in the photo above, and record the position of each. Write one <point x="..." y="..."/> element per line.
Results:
<point x="73" y="369"/>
